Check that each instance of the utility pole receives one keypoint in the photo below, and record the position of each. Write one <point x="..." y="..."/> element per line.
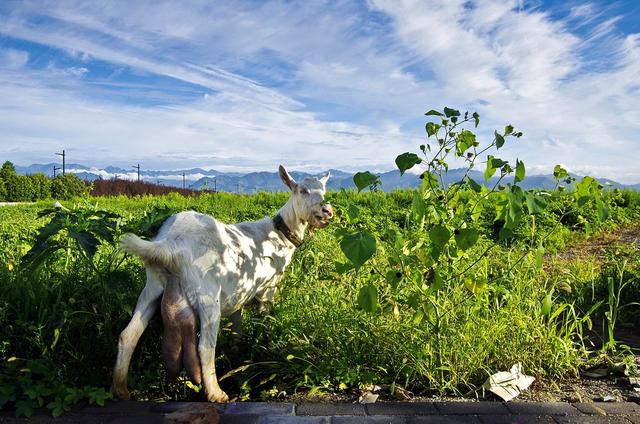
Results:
<point x="215" y="184"/>
<point x="55" y="168"/>
<point x="138" y="168"/>
<point x="63" y="158"/>
<point x="238" y="188"/>
<point x="184" y="181"/>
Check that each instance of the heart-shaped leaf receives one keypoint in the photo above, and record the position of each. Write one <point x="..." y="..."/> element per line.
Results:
<point x="365" y="179"/>
<point x="368" y="298"/>
<point x="407" y="161"/>
<point x="358" y="247"/>
<point x="466" y="238"/>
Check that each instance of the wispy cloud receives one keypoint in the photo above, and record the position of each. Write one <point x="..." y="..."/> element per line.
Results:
<point x="245" y="86"/>
<point x="13" y="59"/>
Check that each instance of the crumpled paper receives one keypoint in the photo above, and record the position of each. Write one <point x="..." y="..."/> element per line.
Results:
<point x="508" y="384"/>
<point x="370" y="394"/>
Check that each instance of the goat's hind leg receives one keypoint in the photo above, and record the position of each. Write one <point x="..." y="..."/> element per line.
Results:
<point x="145" y="308"/>
<point x="209" y="314"/>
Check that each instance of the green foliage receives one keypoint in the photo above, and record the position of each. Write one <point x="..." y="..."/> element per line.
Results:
<point x="18" y="188"/>
<point x="365" y="179"/>
<point x="41" y="186"/>
<point x="7" y="170"/>
<point x="466" y="238"/>
<point x="407" y="161"/>
<point x="30" y="384"/>
<point x="400" y="318"/>
<point x="519" y="171"/>
<point x="368" y="298"/>
<point x="28" y="188"/>
<point x="358" y="247"/>
<point x="68" y="186"/>
<point x="87" y="228"/>
<point x="440" y="248"/>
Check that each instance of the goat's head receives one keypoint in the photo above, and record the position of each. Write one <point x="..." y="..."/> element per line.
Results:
<point x="307" y="198"/>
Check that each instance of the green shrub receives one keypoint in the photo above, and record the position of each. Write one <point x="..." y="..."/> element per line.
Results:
<point x="68" y="186"/>
<point x="22" y="188"/>
<point x="3" y="191"/>
<point x="41" y="186"/>
<point x="19" y="188"/>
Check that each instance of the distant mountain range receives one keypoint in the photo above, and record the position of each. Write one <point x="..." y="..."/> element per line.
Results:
<point x="198" y="178"/>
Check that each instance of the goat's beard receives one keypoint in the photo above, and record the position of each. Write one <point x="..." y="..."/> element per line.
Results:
<point x="317" y="222"/>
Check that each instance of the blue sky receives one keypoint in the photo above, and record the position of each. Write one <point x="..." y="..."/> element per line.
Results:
<point x="244" y="86"/>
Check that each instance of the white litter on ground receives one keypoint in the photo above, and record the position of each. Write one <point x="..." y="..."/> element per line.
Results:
<point x="508" y="384"/>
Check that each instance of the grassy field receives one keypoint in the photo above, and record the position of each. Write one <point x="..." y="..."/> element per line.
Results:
<point x="61" y="313"/>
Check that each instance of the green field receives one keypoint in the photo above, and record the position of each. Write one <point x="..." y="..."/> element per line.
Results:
<point x="430" y="290"/>
<point x="61" y="312"/>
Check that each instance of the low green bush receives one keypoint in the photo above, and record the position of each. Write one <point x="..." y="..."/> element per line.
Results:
<point x="28" y="188"/>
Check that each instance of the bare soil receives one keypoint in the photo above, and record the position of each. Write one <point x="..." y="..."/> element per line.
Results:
<point x="597" y="246"/>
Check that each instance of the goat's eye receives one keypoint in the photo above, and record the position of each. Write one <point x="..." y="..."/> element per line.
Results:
<point x="304" y="191"/>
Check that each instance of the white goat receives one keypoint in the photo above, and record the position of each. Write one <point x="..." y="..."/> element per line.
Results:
<point x="212" y="269"/>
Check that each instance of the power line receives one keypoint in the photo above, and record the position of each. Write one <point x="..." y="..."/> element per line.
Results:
<point x="138" y="168"/>
<point x="63" y="161"/>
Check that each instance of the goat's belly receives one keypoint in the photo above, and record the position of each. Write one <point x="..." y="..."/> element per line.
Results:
<point x="236" y="296"/>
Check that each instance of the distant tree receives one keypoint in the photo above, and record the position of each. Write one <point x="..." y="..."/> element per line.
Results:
<point x="3" y="191"/>
<point x="7" y="170"/>
<point x="11" y="183"/>
<point x="41" y="186"/>
<point x="24" y="189"/>
<point x="68" y="186"/>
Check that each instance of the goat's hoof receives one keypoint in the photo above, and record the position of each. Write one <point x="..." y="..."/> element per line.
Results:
<point x="121" y="392"/>
<point x="218" y="397"/>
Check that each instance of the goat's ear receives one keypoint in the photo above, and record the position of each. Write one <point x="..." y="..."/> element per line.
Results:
<point x="324" y="179"/>
<point x="286" y="178"/>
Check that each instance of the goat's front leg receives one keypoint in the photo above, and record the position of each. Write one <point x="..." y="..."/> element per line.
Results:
<point x="146" y="306"/>
<point x="209" y="312"/>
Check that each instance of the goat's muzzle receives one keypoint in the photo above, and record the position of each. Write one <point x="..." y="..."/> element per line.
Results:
<point x="321" y="220"/>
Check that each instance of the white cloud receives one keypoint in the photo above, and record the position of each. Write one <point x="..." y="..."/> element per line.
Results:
<point x="322" y="84"/>
<point x="529" y="69"/>
<point x="133" y="176"/>
<point x="13" y="59"/>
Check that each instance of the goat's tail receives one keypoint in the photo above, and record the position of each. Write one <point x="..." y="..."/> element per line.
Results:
<point x="151" y="252"/>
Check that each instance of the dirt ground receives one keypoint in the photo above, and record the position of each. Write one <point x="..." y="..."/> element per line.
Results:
<point x="598" y="245"/>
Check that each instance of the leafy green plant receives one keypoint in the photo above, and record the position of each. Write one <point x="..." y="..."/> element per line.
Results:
<point x="614" y="307"/>
<point x="84" y="228"/>
<point x="444" y="217"/>
<point x="441" y="250"/>
<point x="36" y="383"/>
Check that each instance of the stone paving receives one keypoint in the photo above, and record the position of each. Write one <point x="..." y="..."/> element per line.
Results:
<point x="124" y="412"/>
